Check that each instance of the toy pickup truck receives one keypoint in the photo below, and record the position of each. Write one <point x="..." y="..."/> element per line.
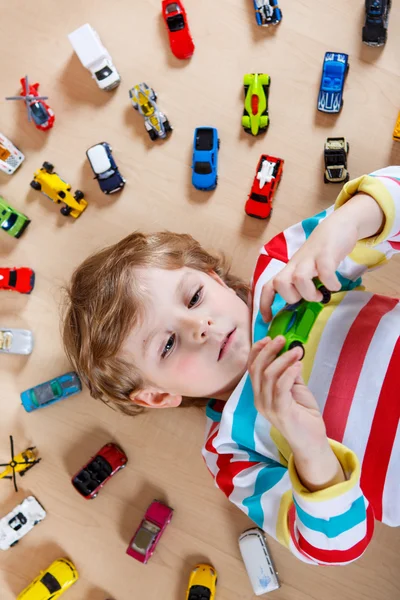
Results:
<point x="335" y="157"/>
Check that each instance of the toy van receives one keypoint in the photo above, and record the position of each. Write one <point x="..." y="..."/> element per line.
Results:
<point x="258" y="562"/>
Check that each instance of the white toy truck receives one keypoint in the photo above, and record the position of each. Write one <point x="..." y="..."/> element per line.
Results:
<point x="92" y="54"/>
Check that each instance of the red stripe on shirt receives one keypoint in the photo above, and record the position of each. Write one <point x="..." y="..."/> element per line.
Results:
<point x="382" y="436"/>
<point x="212" y="435"/>
<point x="228" y="470"/>
<point x="262" y="263"/>
<point x="277" y="247"/>
<point x="350" y="364"/>
<point x="395" y="245"/>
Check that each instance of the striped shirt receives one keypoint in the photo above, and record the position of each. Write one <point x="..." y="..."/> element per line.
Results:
<point x="352" y="365"/>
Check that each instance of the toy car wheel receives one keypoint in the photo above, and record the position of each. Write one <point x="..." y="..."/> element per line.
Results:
<point x="326" y="294"/>
<point x="216" y="181"/>
<point x="65" y="211"/>
<point x="326" y="180"/>
<point x="35" y="185"/>
<point x="48" y="167"/>
<point x="219" y="143"/>
<point x="167" y="126"/>
<point x="35" y="523"/>
<point x="79" y="195"/>
<point x="135" y="107"/>
<point x="152" y="135"/>
<point x="297" y="344"/>
<point x="14" y="543"/>
<point x="347" y="178"/>
<point x="95" y="495"/>
<point x="348" y="147"/>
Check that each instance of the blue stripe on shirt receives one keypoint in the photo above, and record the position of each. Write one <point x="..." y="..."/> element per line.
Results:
<point x="335" y="525"/>
<point x="310" y="224"/>
<point x="267" y="478"/>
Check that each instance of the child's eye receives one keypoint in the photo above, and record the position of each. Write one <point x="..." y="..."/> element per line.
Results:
<point x="196" y="298"/>
<point x="168" y="346"/>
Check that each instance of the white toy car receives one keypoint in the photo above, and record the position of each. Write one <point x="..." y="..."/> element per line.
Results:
<point x="16" y="341"/>
<point x="143" y="99"/>
<point x="258" y="562"/>
<point x="105" y="168"/>
<point x="10" y="156"/>
<point x="20" y="521"/>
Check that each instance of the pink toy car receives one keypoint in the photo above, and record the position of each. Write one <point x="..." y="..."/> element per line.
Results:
<point x="148" y="534"/>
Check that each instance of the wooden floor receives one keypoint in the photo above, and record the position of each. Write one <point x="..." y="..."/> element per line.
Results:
<point x="164" y="447"/>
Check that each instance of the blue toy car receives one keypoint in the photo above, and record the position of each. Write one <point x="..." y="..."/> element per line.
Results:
<point x="267" y="12"/>
<point x="51" y="391"/>
<point x="335" y="67"/>
<point x="205" y="158"/>
<point x="104" y="168"/>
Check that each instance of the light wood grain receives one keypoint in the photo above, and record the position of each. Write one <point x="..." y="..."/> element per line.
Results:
<point x="164" y="447"/>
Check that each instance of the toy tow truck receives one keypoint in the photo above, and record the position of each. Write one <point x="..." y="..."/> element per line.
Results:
<point x="335" y="157"/>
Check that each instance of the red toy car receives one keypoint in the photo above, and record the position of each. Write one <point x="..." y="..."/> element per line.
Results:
<point x="148" y="534"/>
<point x="178" y="29"/>
<point x="90" y="479"/>
<point x="20" y="280"/>
<point x="41" y="113"/>
<point x="268" y="176"/>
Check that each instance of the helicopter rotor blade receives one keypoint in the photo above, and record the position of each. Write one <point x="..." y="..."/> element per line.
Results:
<point x="14" y="480"/>
<point x="26" y="85"/>
<point x="12" y="447"/>
<point x="7" y="477"/>
<point x="15" y="98"/>
<point x="39" y="97"/>
<point x="28" y="108"/>
<point x="5" y="465"/>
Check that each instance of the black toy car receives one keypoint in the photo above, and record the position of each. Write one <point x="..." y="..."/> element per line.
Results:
<point x="374" y="32"/>
<point x="335" y="157"/>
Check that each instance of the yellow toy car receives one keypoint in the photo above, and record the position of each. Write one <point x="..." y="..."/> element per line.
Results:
<point x="52" y="583"/>
<point x="202" y="583"/>
<point x="396" y="130"/>
<point x="47" y="181"/>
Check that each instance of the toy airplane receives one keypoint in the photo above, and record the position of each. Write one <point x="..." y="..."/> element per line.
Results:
<point x="20" y="463"/>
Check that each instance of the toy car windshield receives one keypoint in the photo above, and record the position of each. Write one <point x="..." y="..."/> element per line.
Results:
<point x="258" y="197"/>
<point x="5" y="340"/>
<point x="145" y="537"/>
<point x="18" y="521"/>
<point x="50" y="583"/>
<point x="204" y="139"/>
<point x="4" y="153"/>
<point x="173" y="7"/>
<point x="203" y="168"/>
<point x="176" y="23"/>
<point x="199" y="592"/>
<point x="6" y="225"/>
<point x="103" y="73"/>
<point x="46" y="392"/>
<point x="38" y="112"/>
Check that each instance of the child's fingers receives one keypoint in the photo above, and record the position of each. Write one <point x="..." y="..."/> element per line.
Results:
<point x="256" y="349"/>
<point x="284" y="384"/>
<point x="303" y="281"/>
<point x="326" y="269"/>
<point x="266" y="300"/>
<point x="264" y="357"/>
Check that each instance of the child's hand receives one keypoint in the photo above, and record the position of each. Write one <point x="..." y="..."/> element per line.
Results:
<point x="281" y="396"/>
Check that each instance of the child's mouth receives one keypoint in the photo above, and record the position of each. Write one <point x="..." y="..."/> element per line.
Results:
<point x="227" y="342"/>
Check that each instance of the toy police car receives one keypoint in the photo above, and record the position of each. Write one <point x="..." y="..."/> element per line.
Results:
<point x="105" y="168"/>
<point x="20" y="521"/>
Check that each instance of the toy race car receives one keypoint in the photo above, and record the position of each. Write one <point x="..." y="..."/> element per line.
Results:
<point x="374" y="32"/>
<point x="205" y="158"/>
<point x="335" y="157"/>
<point x="255" y="119"/>
<point x="202" y="583"/>
<point x="105" y="168"/>
<point x="51" y="391"/>
<point x="105" y="464"/>
<point x="20" y="521"/>
<point x="295" y="321"/>
<point x="149" y="532"/>
<point x="396" y="130"/>
<point x="45" y="180"/>
<point x="334" y="70"/>
<point x="268" y="175"/>
<point x="11" y="220"/>
<point x="180" y="38"/>
<point x="51" y="583"/>
<point x="20" y="280"/>
<point x="258" y="562"/>
<point x="143" y="99"/>
<point x="16" y="341"/>
<point x="267" y="12"/>
<point x="10" y="157"/>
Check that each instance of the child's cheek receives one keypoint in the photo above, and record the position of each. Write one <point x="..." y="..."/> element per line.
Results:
<point x="188" y="366"/>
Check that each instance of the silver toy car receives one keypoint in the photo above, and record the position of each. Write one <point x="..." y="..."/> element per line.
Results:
<point x="16" y="341"/>
<point x="143" y="99"/>
<point x="20" y="521"/>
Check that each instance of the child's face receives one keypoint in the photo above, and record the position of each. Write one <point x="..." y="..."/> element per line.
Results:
<point x="179" y="345"/>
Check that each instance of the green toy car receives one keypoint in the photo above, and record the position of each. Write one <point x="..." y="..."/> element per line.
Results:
<point x="295" y="321"/>
<point x="12" y="221"/>
<point x="255" y="119"/>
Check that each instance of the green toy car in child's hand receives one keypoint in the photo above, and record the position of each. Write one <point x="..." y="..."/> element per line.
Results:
<point x="295" y="321"/>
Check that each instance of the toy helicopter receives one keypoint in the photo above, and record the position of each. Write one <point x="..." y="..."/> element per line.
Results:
<point x="38" y="111"/>
<point x="20" y="463"/>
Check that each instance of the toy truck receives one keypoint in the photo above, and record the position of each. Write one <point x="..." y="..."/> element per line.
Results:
<point x="336" y="150"/>
<point x="94" y="56"/>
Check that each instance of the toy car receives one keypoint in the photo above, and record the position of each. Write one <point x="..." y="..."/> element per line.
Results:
<point x="255" y="119"/>
<point x="11" y="220"/>
<point x="202" y="583"/>
<point x="374" y="32"/>
<point x="51" y="583"/>
<point x="20" y="521"/>
<point x="16" y="341"/>
<point x="396" y="130"/>
<point x="104" y="168"/>
<point x="334" y="70"/>
<point x="47" y="181"/>
<point x="178" y="29"/>
<point x="10" y="157"/>
<point x="205" y="158"/>
<point x="143" y="99"/>
<point x="268" y="175"/>
<point x="257" y="560"/>
<point x="335" y="157"/>
<point x="107" y="462"/>
<point x="21" y="280"/>
<point x="51" y="391"/>
<point x="267" y="12"/>
<point x="295" y="321"/>
<point x="148" y="534"/>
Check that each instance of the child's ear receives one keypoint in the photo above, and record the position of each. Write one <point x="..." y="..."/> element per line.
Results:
<point x="153" y="398"/>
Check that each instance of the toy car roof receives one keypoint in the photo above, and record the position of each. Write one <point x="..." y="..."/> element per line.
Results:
<point x="99" y="158"/>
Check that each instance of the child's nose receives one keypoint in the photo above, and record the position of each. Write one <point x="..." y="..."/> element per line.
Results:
<point x="199" y="328"/>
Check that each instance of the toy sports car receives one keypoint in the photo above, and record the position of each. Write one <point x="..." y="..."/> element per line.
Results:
<point x="11" y="220"/>
<point x="51" y="583"/>
<point x="202" y="583"/>
<point x="267" y="12"/>
<point x="105" y="464"/>
<point x="105" y="168"/>
<point x="21" y="280"/>
<point x="143" y="99"/>
<point x="45" y="180"/>
<point x="148" y="534"/>
<point x="268" y="175"/>
<point x="334" y="70"/>
<point x="51" y="391"/>
<point x="255" y="117"/>
<point x="178" y="29"/>
<point x="16" y="341"/>
<point x="396" y="130"/>
<point x="374" y="32"/>
<point x="20" y="521"/>
<point x="335" y="157"/>
<point x="10" y="157"/>
<point x="205" y="158"/>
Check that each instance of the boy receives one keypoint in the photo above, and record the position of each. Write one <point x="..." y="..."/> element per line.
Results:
<point x="156" y="318"/>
